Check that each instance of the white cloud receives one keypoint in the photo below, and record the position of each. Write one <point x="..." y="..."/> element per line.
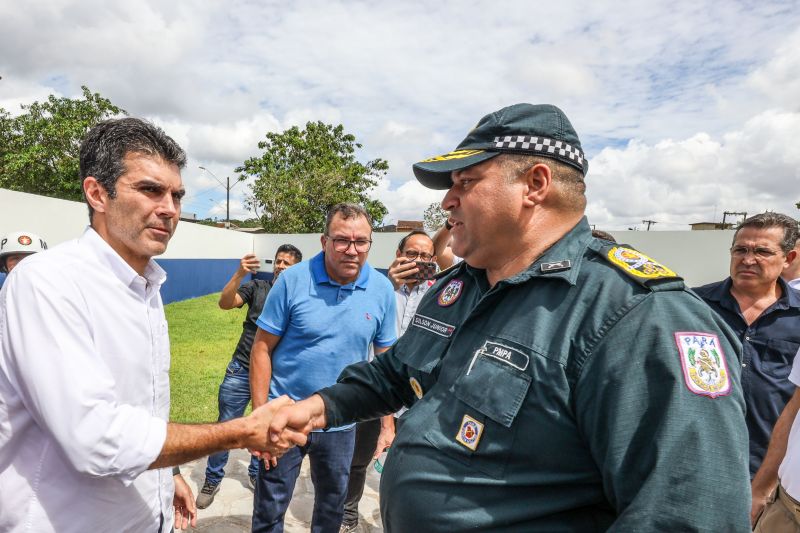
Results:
<point x="676" y="183"/>
<point x="679" y="83"/>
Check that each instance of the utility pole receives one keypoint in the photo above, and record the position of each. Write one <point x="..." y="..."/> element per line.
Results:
<point x="649" y="223"/>
<point x="227" y="195"/>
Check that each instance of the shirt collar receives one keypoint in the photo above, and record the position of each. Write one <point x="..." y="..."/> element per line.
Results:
<point x="722" y="294"/>
<point x="320" y="274"/>
<point x="153" y="273"/>
<point x="562" y="260"/>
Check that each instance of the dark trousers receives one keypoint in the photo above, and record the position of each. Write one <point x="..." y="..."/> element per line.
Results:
<point x="330" y="454"/>
<point x="366" y="440"/>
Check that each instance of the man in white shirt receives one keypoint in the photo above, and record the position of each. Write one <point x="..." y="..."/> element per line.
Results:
<point x="776" y="489"/>
<point x="84" y="358"/>
<point x="791" y="274"/>
<point x="374" y="436"/>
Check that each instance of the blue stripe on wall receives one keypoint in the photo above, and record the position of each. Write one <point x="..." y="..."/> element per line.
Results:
<point x="190" y="278"/>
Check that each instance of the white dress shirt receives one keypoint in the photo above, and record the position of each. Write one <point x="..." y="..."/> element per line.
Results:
<point x="407" y="301"/>
<point x="789" y="471"/>
<point x="84" y="393"/>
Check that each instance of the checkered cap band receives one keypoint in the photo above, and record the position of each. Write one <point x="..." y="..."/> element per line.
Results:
<point x="541" y="145"/>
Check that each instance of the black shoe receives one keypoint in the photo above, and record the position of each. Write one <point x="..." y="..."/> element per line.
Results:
<point x="207" y="493"/>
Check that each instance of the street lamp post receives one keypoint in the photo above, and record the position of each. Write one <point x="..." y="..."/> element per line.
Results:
<point x="227" y="195"/>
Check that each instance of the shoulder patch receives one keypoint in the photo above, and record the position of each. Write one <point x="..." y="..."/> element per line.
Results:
<point x="705" y="370"/>
<point x="637" y="265"/>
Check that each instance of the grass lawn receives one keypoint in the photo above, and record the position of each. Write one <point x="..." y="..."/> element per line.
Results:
<point x="202" y="338"/>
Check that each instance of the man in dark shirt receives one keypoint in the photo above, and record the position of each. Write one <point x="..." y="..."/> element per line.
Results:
<point x="765" y="314"/>
<point x="234" y="391"/>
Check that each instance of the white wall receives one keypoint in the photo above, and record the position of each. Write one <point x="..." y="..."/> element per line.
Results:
<point x="57" y="221"/>
<point x="699" y="256"/>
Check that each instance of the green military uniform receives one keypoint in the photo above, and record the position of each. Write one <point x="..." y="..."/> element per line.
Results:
<point x="591" y="391"/>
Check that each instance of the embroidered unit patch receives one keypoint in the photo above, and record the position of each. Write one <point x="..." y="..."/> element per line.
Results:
<point x="705" y="370"/>
<point x="470" y="432"/>
<point x="416" y="387"/>
<point x="450" y="293"/>
<point x="637" y="264"/>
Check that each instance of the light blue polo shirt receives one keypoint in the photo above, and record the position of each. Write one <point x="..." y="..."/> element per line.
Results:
<point x="324" y="326"/>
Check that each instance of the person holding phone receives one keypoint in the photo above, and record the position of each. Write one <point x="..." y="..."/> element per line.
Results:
<point x="412" y="274"/>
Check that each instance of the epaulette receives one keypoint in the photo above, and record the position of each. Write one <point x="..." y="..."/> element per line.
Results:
<point x="645" y="270"/>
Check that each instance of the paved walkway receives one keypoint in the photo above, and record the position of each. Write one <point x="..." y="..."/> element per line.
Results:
<point x="233" y="505"/>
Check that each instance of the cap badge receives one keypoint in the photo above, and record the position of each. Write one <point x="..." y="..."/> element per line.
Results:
<point x="24" y="240"/>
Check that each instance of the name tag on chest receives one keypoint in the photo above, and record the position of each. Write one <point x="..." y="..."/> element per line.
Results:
<point x="505" y="354"/>
<point x="434" y="326"/>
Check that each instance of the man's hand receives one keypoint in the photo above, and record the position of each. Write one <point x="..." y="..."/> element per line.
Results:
<point x="386" y="436"/>
<point x="249" y="264"/>
<point x="183" y="501"/>
<point x="761" y="496"/>
<point x="296" y="421"/>
<point x="401" y="270"/>
<point x="260" y="439"/>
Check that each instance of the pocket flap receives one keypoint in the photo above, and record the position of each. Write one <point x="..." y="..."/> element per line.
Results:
<point x="494" y="388"/>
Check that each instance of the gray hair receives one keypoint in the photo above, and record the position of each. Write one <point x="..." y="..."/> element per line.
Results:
<point x="774" y="220"/>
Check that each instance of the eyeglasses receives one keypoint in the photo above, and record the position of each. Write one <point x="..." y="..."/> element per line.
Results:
<point x="760" y="253"/>
<point x="412" y="254"/>
<point x="342" y="245"/>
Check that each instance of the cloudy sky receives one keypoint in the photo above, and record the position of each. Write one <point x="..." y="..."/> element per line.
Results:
<point x="686" y="109"/>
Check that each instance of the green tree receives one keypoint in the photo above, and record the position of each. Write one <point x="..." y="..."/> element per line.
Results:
<point x="434" y="216"/>
<point x="39" y="148"/>
<point x="303" y="173"/>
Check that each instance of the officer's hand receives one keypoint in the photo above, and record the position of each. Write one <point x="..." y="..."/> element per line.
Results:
<point x="294" y="422"/>
<point x="249" y="264"/>
<point x="259" y="422"/>
<point x="401" y="270"/>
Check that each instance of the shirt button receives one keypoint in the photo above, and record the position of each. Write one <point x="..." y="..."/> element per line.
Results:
<point x="747" y="338"/>
<point x="744" y="365"/>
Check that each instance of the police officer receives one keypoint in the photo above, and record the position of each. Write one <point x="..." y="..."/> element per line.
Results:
<point x="14" y="247"/>
<point x="557" y="382"/>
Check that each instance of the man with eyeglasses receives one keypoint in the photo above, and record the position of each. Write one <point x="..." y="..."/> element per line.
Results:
<point x="765" y="314"/>
<point x="374" y="436"/>
<point x="320" y="316"/>
<point x="792" y="272"/>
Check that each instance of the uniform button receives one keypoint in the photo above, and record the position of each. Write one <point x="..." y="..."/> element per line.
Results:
<point x="747" y="338"/>
<point x="744" y="365"/>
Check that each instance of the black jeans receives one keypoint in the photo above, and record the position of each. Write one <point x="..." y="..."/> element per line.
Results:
<point x="366" y="440"/>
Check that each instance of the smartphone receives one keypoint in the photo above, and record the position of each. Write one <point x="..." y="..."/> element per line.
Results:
<point x="427" y="270"/>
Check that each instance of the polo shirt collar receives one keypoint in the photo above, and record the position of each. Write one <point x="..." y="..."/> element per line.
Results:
<point x="320" y="274"/>
<point x="722" y="294"/>
<point x="107" y="256"/>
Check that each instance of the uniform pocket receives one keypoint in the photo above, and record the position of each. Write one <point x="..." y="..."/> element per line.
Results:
<point x="476" y="423"/>
<point x="778" y="358"/>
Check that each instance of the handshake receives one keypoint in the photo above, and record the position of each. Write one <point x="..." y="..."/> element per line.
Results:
<point x="279" y="425"/>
